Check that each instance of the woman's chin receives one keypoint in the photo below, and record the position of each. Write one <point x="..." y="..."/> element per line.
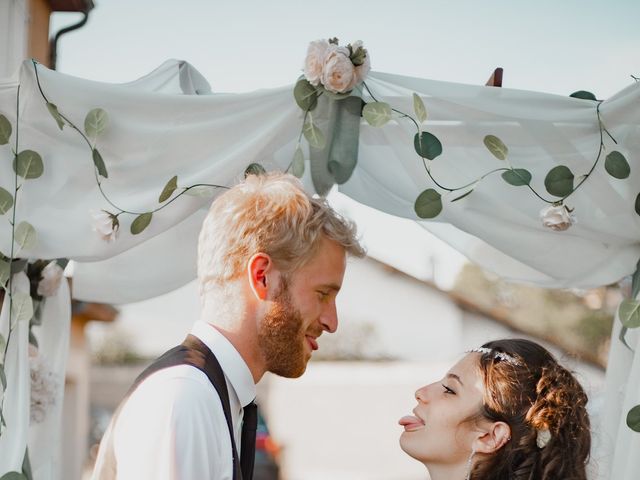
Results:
<point x="408" y="446"/>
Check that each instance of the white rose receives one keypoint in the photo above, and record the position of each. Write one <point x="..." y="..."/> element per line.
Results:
<point x="362" y="70"/>
<point x="315" y="61"/>
<point x="557" y="217"/>
<point x="338" y="71"/>
<point x="106" y="224"/>
<point x="51" y="277"/>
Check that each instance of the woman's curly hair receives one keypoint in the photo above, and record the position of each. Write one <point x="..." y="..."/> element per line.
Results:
<point x="534" y="395"/>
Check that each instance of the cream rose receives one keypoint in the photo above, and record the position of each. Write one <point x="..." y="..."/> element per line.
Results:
<point x="338" y="71"/>
<point x="315" y="61"/>
<point x="362" y="70"/>
<point x="557" y="217"/>
<point x="106" y="224"/>
<point x="51" y="277"/>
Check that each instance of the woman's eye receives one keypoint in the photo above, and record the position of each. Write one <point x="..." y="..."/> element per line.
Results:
<point x="447" y="390"/>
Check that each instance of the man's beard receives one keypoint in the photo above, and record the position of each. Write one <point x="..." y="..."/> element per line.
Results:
<point x="281" y="337"/>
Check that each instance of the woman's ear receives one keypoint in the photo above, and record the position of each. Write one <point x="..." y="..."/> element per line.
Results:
<point x="258" y="268"/>
<point x="492" y="438"/>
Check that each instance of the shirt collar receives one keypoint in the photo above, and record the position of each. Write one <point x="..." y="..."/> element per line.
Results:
<point x="232" y="363"/>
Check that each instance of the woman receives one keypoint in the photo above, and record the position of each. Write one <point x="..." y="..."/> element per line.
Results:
<point x="506" y="411"/>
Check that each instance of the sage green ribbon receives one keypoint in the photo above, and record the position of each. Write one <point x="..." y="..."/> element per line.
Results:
<point x="335" y="162"/>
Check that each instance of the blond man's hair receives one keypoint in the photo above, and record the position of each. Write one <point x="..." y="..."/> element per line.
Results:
<point x="272" y="214"/>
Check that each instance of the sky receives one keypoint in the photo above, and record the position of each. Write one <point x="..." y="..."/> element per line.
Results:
<point x="547" y="45"/>
<point x="554" y="46"/>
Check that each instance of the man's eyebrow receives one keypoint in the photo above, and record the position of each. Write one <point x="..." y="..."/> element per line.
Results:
<point x="331" y="286"/>
<point x="455" y="377"/>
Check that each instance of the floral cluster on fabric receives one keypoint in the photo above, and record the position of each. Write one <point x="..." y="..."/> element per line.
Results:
<point x="44" y="386"/>
<point x="106" y="224"/>
<point x="557" y="217"/>
<point x="336" y="68"/>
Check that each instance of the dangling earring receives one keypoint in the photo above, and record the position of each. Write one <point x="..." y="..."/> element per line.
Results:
<point x="470" y="464"/>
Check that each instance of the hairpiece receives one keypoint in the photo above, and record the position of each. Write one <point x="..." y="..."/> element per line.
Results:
<point x="496" y="354"/>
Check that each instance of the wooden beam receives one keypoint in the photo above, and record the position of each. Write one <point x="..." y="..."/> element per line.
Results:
<point x="495" y="80"/>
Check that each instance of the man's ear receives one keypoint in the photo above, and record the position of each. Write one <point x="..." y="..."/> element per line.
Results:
<point x="258" y="269"/>
<point x="492" y="438"/>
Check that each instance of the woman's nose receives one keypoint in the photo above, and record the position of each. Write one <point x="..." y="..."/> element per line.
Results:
<point x="421" y="394"/>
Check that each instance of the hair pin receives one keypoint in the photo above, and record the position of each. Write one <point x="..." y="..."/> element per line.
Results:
<point x="496" y="354"/>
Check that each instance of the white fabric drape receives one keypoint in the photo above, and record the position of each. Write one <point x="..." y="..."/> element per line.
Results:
<point x="13" y="441"/>
<point x="45" y="447"/>
<point x="44" y="437"/>
<point x="168" y="123"/>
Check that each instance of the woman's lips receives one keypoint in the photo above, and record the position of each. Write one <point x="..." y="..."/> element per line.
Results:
<point x="411" y="423"/>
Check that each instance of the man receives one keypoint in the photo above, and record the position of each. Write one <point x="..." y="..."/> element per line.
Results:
<point x="271" y="261"/>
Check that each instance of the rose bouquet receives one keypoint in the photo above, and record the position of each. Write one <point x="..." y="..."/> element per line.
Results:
<point x="335" y="68"/>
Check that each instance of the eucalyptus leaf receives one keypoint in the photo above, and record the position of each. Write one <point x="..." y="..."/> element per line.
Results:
<point x="617" y="166"/>
<point x="3" y="344"/>
<point x="559" y="181"/>
<point x="314" y="135"/>
<point x="204" y="191"/>
<point x="428" y="204"/>
<point x="517" y="177"/>
<point x="99" y="163"/>
<point x="629" y="313"/>
<point x="496" y="147"/>
<point x="3" y="376"/>
<point x="5" y="130"/>
<point x="419" y="108"/>
<point x="633" y="418"/>
<point x="4" y="272"/>
<point x="635" y="281"/>
<point x="140" y="223"/>
<point x="26" y="466"/>
<point x="427" y="145"/>
<point x="305" y="94"/>
<point x="637" y="205"/>
<point x="584" y="95"/>
<point x="95" y="123"/>
<point x="32" y="338"/>
<point x="53" y="110"/>
<point x="462" y="196"/>
<point x="22" y="310"/>
<point x="254" y="169"/>
<point x="6" y="201"/>
<point x="19" y="265"/>
<point x="377" y="113"/>
<point x="297" y="165"/>
<point x="168" y="189"/>
<point x="13" y="476"/>
<point x="28" y="164"/>
<point x="25" y="236"/>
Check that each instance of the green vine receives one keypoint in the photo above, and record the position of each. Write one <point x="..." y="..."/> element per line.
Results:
<point x="96" y="123"/>
<point x="559" y="181"/>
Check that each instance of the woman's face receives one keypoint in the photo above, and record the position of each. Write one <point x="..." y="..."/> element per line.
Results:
<point x="437" y="432"/>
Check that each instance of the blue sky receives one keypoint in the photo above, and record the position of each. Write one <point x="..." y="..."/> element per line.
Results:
<point x="554" y="46"/>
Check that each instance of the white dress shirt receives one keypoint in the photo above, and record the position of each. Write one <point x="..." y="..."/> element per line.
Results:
<point x="172" y="427"/>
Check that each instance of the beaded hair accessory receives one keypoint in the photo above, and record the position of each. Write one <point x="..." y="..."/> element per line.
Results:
<point x="497" y="355"/>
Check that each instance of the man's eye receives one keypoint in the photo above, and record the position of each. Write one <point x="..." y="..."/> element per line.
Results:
<point x="323" y="295"/>
<point x="447" y="390"/>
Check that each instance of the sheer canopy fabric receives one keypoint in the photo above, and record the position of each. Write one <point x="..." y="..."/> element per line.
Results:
<point x="160" y="127"/>
<point x="169" y="123"/>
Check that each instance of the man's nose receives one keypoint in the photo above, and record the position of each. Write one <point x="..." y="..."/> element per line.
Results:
<point x="329" y="318"/>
